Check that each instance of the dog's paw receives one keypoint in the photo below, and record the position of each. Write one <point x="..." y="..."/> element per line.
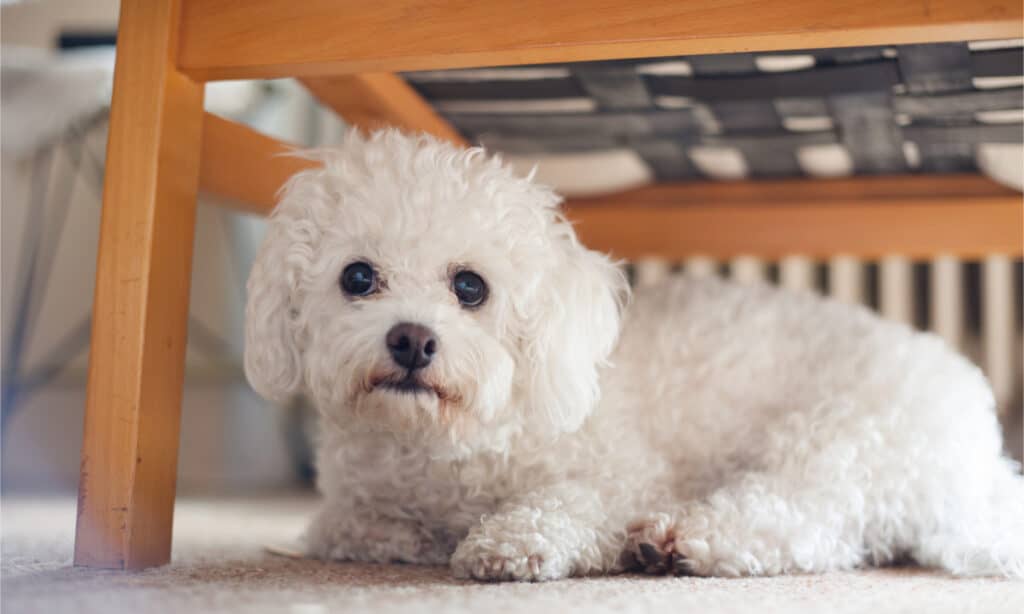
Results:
<point x="492" y="567"/>
<point x="512" y="559"/>
<point x="652" y="547"/>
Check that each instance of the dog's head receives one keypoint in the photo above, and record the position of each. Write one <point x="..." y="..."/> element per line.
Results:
<point x="410" y="286"/>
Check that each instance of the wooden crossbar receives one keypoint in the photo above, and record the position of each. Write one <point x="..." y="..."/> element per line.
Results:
<point x="259" y="39"/>
<point x="915" y="216"/>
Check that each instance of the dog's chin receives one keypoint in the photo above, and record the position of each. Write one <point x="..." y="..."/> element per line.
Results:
<point x="389" y="404"/>
<point x="424" y="412"/>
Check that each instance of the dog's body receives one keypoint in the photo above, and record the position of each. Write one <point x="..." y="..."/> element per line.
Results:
<point x="732" y="430"/>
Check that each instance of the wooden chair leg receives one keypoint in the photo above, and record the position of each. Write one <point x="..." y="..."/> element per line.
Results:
<point x="140" y="313"/>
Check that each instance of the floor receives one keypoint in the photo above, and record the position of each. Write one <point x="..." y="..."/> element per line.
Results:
<point x="221" y="564"/>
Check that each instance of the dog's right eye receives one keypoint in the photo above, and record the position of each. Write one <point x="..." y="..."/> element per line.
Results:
<point x="358" y="279"/>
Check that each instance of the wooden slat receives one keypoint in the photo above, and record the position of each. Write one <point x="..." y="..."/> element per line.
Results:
<point x="915" y="216"/>
<point x="377" y="100"/>
<point x="243" y="166"/>
<point x="232" y="39"/>
<point x="140" y="311"/>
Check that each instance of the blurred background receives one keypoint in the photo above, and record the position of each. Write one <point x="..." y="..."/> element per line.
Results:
<point x="57" y="64"/>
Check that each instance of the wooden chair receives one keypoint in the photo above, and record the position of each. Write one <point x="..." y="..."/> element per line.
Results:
<point x="163" y="149"/>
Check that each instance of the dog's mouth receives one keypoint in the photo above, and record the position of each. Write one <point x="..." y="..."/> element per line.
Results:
<point x="409" y="383"/>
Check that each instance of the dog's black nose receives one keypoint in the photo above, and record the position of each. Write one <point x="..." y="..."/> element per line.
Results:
<point x="411" y="345"/>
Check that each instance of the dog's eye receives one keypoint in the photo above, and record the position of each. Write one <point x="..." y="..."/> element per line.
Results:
<point x="358" y="279"/>
<point x="469" y="288"/>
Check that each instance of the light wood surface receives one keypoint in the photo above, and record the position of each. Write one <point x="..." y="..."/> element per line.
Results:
<point x="232" y="39"/>
<point x="378" y="100"/>
<point x="914" y="216"/>
<point x="136" y="361"/>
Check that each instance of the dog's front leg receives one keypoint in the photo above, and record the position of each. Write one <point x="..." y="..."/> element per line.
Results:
<point x="764" y="524"/>
<point x="549" y="534"/>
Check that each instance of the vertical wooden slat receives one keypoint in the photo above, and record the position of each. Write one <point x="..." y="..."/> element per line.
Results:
<point x="136" y="362"/>
<point x="651" y="272"/>
<point x="946" y="308"/>
<point x="796" y="273"/>
<point x="747" y="270"/>
<point x="896" y="297"/>
<point x="846" y="279"/>
<point x="997" y="325"/>
<point x="700" y="266"/>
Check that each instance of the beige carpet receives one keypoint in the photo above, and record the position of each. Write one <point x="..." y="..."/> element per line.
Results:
<point x="220" y="565"/>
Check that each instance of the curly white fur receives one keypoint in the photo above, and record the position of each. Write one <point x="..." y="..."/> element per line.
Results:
<point x="715" y="429"/>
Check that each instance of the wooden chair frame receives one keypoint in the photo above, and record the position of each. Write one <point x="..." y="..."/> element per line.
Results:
<point x="163" y="149"/>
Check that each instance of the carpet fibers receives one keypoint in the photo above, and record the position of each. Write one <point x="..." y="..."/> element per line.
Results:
<point x="221" y="564"/>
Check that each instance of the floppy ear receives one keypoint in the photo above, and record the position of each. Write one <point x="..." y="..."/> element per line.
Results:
<point x="273" y="311"/>
<point x="574" y="327"/>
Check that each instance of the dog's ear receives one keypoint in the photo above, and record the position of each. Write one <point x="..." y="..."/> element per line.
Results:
<point x="573" y="327"/>
<point x="273" y="311"/>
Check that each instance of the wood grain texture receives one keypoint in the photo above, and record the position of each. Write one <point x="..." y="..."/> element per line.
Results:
<point x="378" y="100"/>
<point x="136" y="361"/>
<point x="232" y="39"/>
<point x="914" y="216"/>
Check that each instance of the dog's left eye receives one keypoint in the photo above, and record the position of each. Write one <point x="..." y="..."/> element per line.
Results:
<point x="358" y="279"/>
<point x="469" y="288"/>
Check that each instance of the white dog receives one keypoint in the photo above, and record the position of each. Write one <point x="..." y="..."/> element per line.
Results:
<point x="492" y="401"/>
